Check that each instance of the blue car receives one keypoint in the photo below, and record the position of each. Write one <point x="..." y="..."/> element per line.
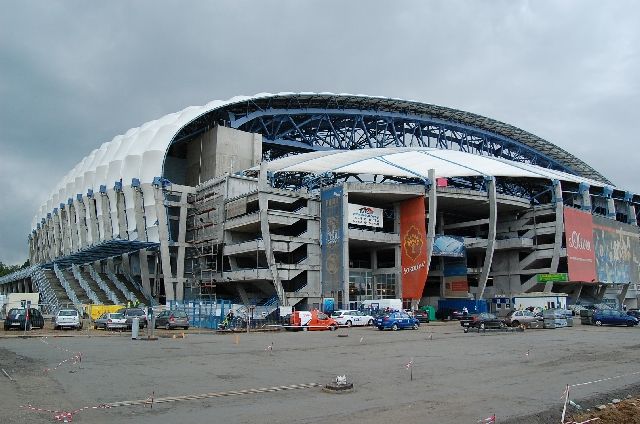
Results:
<point x="611" y="317"/>
<point x="396" y="321"/>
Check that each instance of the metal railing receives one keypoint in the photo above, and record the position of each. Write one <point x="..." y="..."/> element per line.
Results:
<point x="103" y="286"/>
<point x="116" y="282"/>
<point x="77" y="274"/>
<point x="65" y="285"/>
<point x="139" y="287"/>
<point x="48" y="296"/>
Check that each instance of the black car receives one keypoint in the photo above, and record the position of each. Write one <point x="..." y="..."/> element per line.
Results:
<point x="131" y="313"/>
<point x="421" y="316"/>
<point x="483" y="320"/>
<point x="17" y="317"/>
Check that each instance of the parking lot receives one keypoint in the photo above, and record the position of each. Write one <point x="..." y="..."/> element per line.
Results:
<point x="457" y="377"/>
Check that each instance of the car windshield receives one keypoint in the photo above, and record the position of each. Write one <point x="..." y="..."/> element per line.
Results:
<point x="16" y="313"/>
<point x="336" y="313"/>
<point x="116" y="316"/>
<point x="67" y="313"/>
<point x="180" y="314"/>
<point x="136" y="312"/>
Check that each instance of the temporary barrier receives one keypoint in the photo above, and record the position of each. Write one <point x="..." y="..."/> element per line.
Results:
<point x="94" y="311"/>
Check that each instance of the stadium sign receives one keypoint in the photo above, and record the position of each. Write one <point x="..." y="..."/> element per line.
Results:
<point x="557" y="277"/>
<point x="365" y="215"/>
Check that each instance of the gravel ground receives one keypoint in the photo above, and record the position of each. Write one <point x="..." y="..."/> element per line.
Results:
<point x="457" y="377"/>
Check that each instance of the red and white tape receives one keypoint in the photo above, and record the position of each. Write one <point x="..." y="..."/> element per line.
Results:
<point x="605" y="379"/>
<point x="63" y="416"/>
<point x="488" y="420"/>
<point x="75" y="359"/>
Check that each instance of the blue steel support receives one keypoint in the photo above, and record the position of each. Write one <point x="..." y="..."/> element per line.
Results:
<point x="354" y="129"/>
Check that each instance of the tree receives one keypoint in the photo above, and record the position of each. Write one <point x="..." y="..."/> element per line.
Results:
<point x="8" y="269"/>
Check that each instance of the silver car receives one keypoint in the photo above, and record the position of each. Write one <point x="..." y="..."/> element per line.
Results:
<point x="517" y="318"/>
<point x="68" y="318"/>
<point x="110" y="321"/>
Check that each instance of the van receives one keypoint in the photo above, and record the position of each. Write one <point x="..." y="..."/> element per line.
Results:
<point x="311" y="320"/>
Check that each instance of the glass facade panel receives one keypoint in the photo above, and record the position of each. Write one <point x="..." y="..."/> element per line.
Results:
<point x="360" y="286"/>
<point x="385" y="286"/>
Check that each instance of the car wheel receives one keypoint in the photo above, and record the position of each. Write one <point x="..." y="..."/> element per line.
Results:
<point x="333" y="328"/>
<point x="515" y="323"/>
<point x="380" y="328"/>
<point x="349" y="323"/>
<point x="482" y="326"/>
<point x="599" y="323"/>
<point x="394" y="327"/>
<point x="95" y="327"/>
<point x="186" y="328"/>
<point x="370" y="323"/>
<point x="167" y="327"/>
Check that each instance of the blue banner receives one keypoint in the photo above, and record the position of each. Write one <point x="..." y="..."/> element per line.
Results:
<point x="332" y="230"/>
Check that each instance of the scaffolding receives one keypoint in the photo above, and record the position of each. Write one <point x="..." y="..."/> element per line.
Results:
<point x="205" y="254"/>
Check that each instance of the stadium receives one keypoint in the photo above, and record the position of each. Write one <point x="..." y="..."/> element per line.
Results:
<point x="293" y="199"/>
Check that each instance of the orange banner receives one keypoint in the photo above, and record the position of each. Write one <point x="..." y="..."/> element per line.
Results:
<point x="413" y="241"/>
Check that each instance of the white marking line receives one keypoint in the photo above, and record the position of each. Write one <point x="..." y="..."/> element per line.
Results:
<point x="604" y="379"/>
<point x="212" y="395"/>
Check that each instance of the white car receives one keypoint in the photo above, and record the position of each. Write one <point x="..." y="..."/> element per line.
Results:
<point x="68" y="318"/>
<point x="351" y="317"/>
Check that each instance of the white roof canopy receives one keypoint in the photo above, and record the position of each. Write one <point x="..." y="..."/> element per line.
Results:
<point x="415" y="162"/>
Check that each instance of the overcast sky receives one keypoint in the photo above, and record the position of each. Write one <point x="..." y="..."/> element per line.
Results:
<point x="74" y="74"/>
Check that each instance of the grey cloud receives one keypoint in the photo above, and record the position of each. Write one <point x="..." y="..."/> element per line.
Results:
<point x="75" y="74"/>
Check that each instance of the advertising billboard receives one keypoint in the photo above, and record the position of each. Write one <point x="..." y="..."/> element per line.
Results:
<point x="332" y="240"/>
<point x="617" y="251"/>
<point x="452" y="246"/>
<point x="581" y="259"/>
<point x="413" y="243"/>
<point x="365" y="215"/>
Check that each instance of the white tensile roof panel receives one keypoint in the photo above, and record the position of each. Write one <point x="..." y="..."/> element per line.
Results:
<point x="415" y="162"/>
<point x="144" y="149"/>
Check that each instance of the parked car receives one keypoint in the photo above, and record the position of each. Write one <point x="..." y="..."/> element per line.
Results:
<point x="17" y="318"/>
<point x="613" y="317"/>
<point x="131" y="313"/>
<point x="396" y="321"/>
<point x="525" y="317"/>
<point x="483" y="320"/>
<point x="352" y="317"/>
<point x="634" y="313"/>
<point x="111" y="321"/>
<point x="67" y="318"/>
<point x="172" y="319"/>
<point x="421" y="316"/>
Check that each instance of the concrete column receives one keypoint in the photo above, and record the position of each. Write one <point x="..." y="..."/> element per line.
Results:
<point x="607" y="192"/>
<point x="345" y="248"/>
<point x="631" y="209"/>
<point x="57" y="251"/>
<point x="557" y="242"/>
<point x="122" y="215"/>
<point x="71" y="228"/>
<point x="585" y="197"/>
<point x="144" y="271"/>
<point x="81" y="223"/>
<point x="491" y="238"/>
<point x="163" y="231"/>
<point x="104" y="222"/>
<point x="138" y="211"/>
<point x="93" y="236"/>
<point x="66" y="234"/>
<point x="182" y="236"/>
<point x="623" y="293"/>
